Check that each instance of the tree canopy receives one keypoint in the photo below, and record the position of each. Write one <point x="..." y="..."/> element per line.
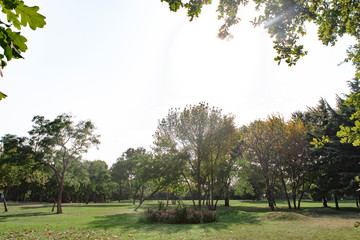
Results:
<point x="285" y="21"/>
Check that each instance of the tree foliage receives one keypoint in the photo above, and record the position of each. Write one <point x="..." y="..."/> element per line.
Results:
<point x="351" y="134"/>
<point x="203" y="139"/>
<point x="285" y="21"/>
<point x="16" y="16"/>
<point x="59" y="142"/>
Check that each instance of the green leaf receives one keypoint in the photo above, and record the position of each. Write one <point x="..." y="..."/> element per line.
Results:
<point x="29" y="15"/>
<point x="18" y="40"/>
<point x="12" y="17"/>
<point x="2" y="96"/>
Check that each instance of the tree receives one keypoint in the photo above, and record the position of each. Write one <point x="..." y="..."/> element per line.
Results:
<point x="337" y="163"/>
<point x="262" y="141"/>
<point x="59" y="142"/>
<point x="295" y="160"/>
<point x="202" y="138"/>
<point x="16" y="163"/>
<point x="351" y="134"/>
<point x="285" y="21"/>
<point x="100" y="181"/>
<point x="18" y="15"/>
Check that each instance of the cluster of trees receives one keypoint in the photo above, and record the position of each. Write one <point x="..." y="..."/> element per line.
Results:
<point x="198" y="153"/>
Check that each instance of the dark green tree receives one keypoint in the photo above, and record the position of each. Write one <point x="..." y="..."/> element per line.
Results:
<point x="16" y="162"/>
<point x="336" y="164"/>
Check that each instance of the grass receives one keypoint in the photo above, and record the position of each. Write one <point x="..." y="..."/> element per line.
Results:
<point x="243" y="220"/>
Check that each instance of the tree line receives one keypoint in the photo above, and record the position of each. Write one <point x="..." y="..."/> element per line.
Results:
<point x="198" y="154"/>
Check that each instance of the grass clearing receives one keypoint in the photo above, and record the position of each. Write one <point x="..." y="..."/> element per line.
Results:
<point x="243" y="220"/>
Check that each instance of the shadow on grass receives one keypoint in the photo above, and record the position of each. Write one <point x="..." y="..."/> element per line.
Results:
<point x="76" y="205"/>
<point x="321" y="212"/>
<point x="227" y="218"/>
<point x="32" y="214"/>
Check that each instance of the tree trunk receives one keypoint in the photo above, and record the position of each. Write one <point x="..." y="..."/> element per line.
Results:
<point x="53" y="207"/>
<point x="324" y="201"/>
<point x="285" y="190"/>
<point x="5" y="205"/>
<point x="336" y="202"/>
<point x="227" y="198"/>
<point x="87" y="197"/>
<point x="173" y="198"/>
<point x="199" y="181"/>
<point x="190" y="190"/>
<point x="199" y="193"/>
<point x="5" y="196"/>
<point x="301" y="195"/>
<point x="59" y="197"/>
<point x="167" y="199"/>
<point x="294" y="198"/>
<point x="357" y="200"/>
<point x="269" y="195"/>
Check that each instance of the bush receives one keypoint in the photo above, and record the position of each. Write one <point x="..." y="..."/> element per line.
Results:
<point x="181" y="215"/>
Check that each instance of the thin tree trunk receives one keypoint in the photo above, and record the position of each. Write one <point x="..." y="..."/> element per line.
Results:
<point x="269" y="194"/>
<point x="167" y="199"/>
<point x="324" y="201"/>
<point x="294" y="198"/>
<point x="173" y="199"/>
<point x="142" y="199"/>
<point x="357" y="201"/>
<point x="5" y="205"/>
<point x="190" y="190"/>
<point x="199" y="192"/>
<point x="227" y="198"/>
<point x="336" y="202"/>
<point x="301" y="195"/>
<point x="53" y="207"/>
<point x="198" y="179"/>
<point x="5" y="196"/>
<point x="285" y="190"/>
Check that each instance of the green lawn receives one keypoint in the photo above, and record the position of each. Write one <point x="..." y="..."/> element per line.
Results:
<point x="243" y="220"/>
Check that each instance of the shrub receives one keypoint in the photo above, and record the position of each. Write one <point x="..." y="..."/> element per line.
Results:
<point x="193" y="216"/>
<point x="180" y="215"/>
<point x="209" y="216"/>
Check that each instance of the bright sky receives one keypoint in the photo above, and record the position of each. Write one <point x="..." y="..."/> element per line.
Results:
<point x="123" y="64"/>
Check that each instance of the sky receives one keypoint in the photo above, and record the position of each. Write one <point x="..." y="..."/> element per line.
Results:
<point x="123" y="64"/>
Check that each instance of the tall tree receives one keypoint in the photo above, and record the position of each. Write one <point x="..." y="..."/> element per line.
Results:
<point x="56" y="143"/>
<point x="262" y="141"/>
<point x="204" y="138"/>
<point x="337" y="163"/>
<point x="295" y="160"/>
